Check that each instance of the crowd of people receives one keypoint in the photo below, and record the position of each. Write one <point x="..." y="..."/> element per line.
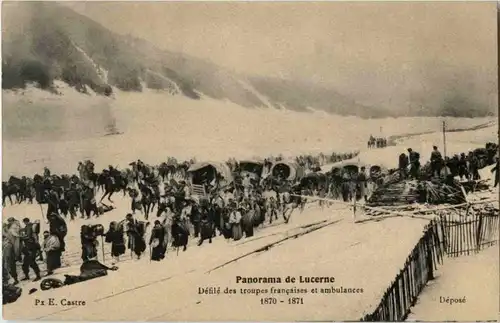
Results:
<point x="233" y="211"/>
<point x="466" y="166"/>
<point x="378" y="142"/>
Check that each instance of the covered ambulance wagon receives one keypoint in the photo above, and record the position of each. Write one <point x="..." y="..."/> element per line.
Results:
<point x="288" y="170"/>
<point x="213" y="174"/>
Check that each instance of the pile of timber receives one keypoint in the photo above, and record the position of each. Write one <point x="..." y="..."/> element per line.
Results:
<point x="453" y="213"/>
<point x="438" y="192"/>
<point x="392" y="194"/>
<point x="412" y="191"/>
<point x="475" y="186"/>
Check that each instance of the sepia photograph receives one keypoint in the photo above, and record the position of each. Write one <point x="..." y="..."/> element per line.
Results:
<point x="250" y="161"/>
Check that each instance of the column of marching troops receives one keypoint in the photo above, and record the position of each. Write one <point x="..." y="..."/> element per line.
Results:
<point x="29" y="248"/>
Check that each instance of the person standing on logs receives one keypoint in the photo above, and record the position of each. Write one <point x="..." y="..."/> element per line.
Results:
<point x="403" y="166"/>
<point x="414" y="158"/>
<point x="473" y="167"/>
<point x="436" y="162"/>
<point x="462" y="167"/>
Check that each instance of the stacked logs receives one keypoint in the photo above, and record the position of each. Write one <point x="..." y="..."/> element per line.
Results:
<point x="475" y="186"/>
<point x="412" y="191"/>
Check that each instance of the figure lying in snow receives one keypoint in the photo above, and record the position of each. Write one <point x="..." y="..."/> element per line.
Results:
<point x="88" y="270"/>
<point x="10" y="293"/>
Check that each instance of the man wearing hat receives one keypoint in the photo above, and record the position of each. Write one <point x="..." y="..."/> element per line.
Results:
<point x="414" y="158"/>
<point x="436" y="162"/>
<point x="30" y="250"/>
<point x="157" y="241"/>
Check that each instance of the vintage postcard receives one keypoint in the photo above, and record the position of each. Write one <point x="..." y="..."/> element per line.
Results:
<point x="250" y="161"/>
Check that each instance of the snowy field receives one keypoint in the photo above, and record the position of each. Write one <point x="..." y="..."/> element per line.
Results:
<point x="155" y="126"/>
<point x="474" y="278"/>
<point x="141" y="290"/>
<point x="70" y="128"/>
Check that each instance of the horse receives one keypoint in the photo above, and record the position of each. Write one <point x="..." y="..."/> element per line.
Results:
<point x="113" y="184"/>
<point x="148" y="199"/>
<point x="7" y="191"/>
<point x="166" y="170"/>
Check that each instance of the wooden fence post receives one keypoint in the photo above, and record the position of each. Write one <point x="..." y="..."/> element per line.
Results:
<point x="478" y="232"/>
<point x="430" y="261"/>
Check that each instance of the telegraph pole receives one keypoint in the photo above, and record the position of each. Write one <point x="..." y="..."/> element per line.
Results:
<point x="444" y="149"/>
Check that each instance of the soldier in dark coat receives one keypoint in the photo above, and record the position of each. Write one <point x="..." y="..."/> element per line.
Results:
<point x="207" y="224"/>
<point x="52" y="199"/>
<point x="414" y="159"/>
<point x="180" y="232"/>
<point x="135" y="233"/>
<point x="195" y="216"/>
<point x="436" y="162"/>
<point x="403" y="165"/>
<point x="88" y="241"/>
<point x="89" y="202"/>
<point x="157" y="241"/>
<point x="115" y="237"/>
<point x="474" y="167"/>
<point x="30" y="249"/>
<point x="462" y="166"/>
<point x="247" y="219"/>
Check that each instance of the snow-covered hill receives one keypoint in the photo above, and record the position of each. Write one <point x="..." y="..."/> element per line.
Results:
<point x="57" y="43"/>
<point x="153" y="125"/>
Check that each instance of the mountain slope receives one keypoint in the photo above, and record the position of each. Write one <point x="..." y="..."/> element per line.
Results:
<point x="58" y="43"/>
<point x="46" y="41"/>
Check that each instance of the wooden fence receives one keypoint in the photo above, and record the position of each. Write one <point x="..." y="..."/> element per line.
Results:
<point x="418" y="270"/>
<point x="448" y="234"/>
<point x="468" y="232"/>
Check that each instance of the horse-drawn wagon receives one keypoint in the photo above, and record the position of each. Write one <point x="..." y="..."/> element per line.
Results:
<point x="288" y="170"/>
<point x="208" y="174"/>
<point x="313" y="180"/>
<point x="253" y="168"/>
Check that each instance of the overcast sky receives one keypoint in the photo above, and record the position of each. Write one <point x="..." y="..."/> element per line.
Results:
<point x="370" y="50"/>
